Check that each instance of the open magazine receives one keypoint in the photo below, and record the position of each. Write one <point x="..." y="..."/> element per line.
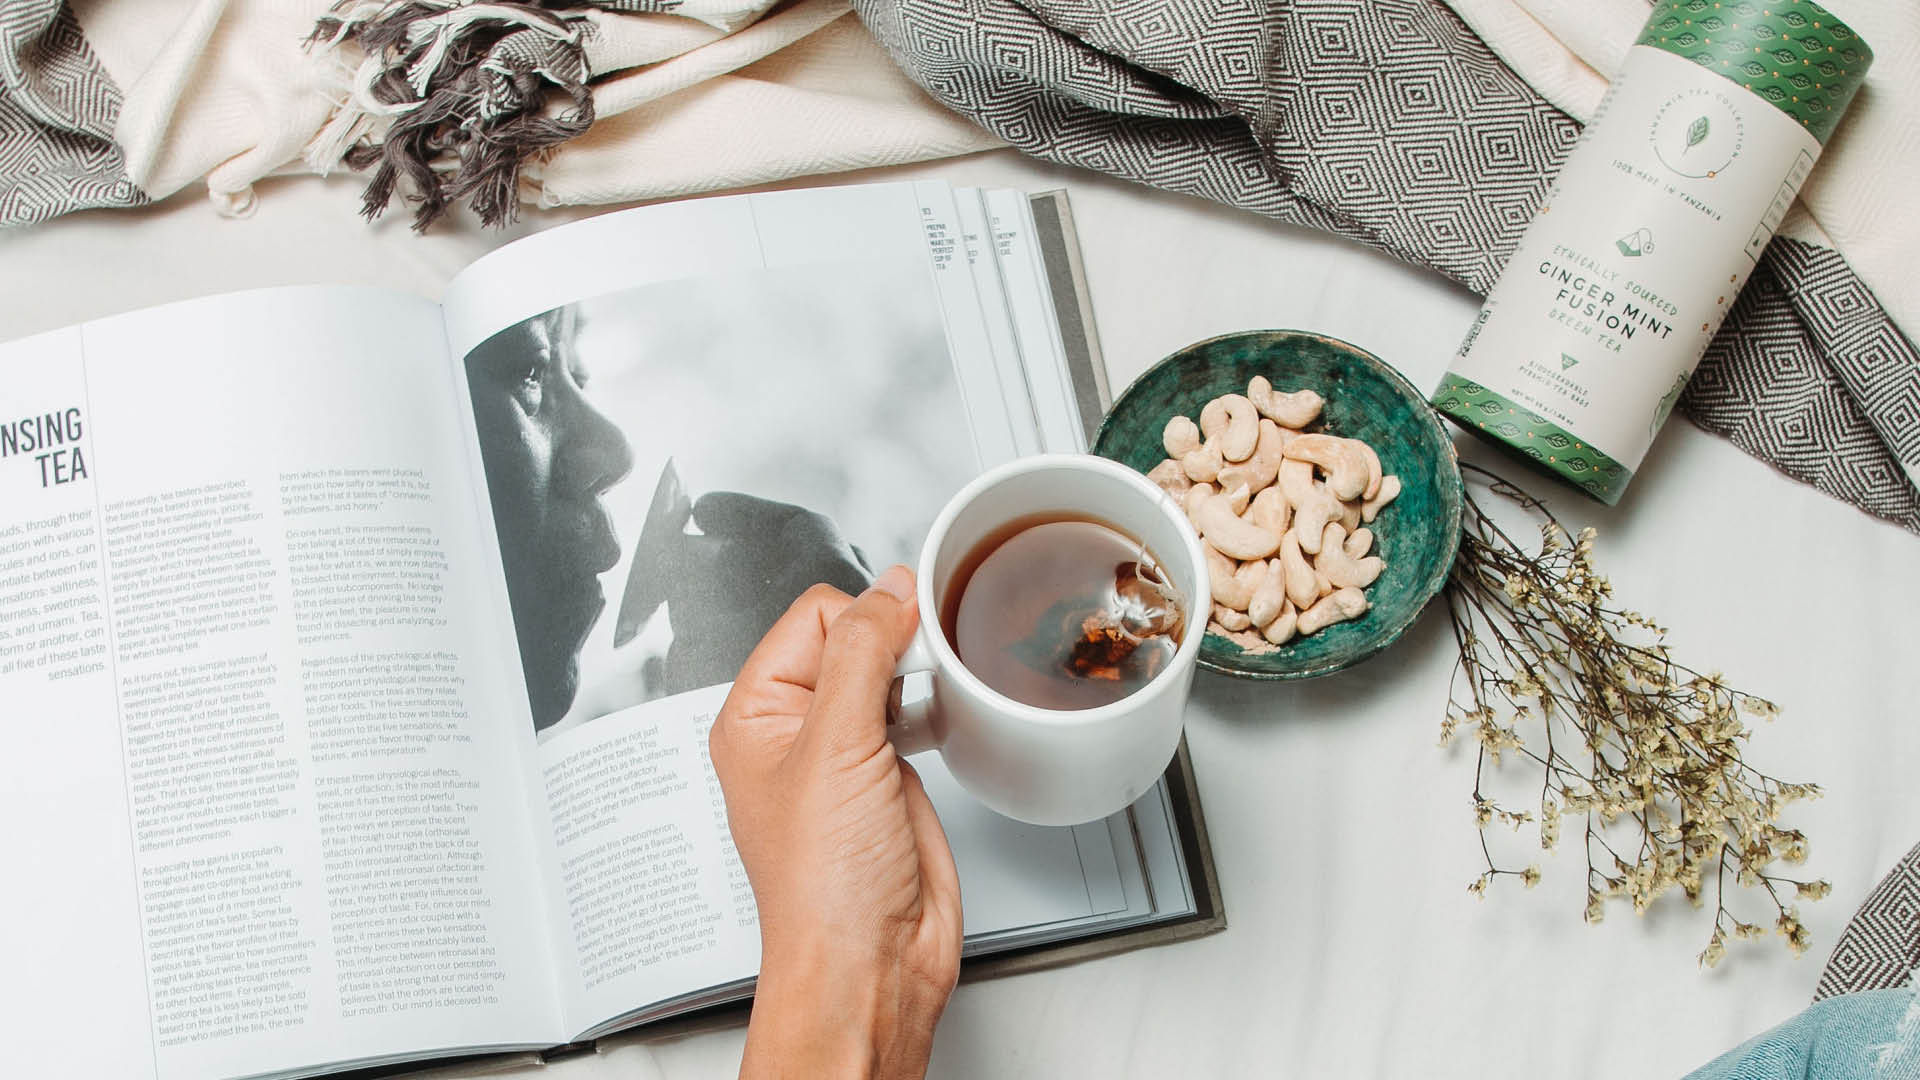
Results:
<point x="357" y="653"/>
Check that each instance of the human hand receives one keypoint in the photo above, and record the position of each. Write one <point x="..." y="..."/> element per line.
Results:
<point x="859" y="901"/>
<point x="729" y="584"/>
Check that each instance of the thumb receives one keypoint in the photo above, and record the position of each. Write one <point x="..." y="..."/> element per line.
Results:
<point x="864" y="645"/>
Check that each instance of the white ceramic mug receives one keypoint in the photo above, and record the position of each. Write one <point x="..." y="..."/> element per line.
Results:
<point x="1051" y="766"/>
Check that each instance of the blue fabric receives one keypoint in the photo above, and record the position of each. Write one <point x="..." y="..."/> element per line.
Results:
<point x="1851" y="1037"/>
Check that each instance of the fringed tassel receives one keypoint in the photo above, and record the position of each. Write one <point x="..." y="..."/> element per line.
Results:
<point x="452" y="99"/>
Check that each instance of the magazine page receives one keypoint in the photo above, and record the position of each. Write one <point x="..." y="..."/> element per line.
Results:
<point x="985" y="263"/>
<point x="772" y="391"/>
<point x="277" y="815"/>
<point x="1036" y="325"/>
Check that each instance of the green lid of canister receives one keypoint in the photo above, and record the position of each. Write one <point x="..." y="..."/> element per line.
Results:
<point x="1791" y="53"/>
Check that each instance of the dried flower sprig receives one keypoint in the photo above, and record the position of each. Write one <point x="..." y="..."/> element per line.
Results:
<point x="1645" y="751"/>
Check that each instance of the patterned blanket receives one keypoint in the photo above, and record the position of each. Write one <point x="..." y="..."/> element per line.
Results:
<point x="1387" y="121"/>
<point x="1880" y="948"/>
<point x="57" y="111"/>
<point x="490" y="105"/>
<point x="1390" y="122"/>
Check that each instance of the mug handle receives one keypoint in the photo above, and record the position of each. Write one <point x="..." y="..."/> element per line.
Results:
<point x="910" y="725"/>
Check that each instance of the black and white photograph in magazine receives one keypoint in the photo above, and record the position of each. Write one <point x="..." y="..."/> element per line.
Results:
<point x="671" y="466"/>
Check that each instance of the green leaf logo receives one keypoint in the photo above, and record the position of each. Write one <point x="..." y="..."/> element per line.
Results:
<point x="1697" y="133"/>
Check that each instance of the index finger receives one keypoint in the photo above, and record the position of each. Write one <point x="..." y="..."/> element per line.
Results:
<point x="863" y="647"/>
<point x="792" y="648"/>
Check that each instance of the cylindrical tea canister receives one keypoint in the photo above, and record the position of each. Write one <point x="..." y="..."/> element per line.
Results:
<point x="1661" y="211"/>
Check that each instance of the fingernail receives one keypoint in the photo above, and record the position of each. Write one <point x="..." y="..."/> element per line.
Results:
<point x="897" y="582"/>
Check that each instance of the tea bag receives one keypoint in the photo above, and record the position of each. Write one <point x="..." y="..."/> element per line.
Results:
<point x="1067" y="614"/>
<point x="1145" y="602"/>
<point x="1141" y="606"/>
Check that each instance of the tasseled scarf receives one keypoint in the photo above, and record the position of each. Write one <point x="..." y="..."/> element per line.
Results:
<point x="456" y="97"/>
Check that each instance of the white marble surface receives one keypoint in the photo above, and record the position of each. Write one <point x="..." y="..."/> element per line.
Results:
<point x="1343" y="836"/>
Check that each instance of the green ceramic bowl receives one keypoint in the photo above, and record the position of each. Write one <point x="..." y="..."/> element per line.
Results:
<point x="1417" y="533"/>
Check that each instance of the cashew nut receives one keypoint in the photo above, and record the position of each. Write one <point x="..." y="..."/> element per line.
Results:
<point x="1259" y="470"/>
<point x="1341" y="568"/>
<point x="1270" y="447"/>
<point x="1349" y="515"/>
<point x="1282" y="627"/>
<point x="1295" y="410"/>
<point x="1339" y="606"/>
<point x="1232" y="421"/>
<point x="1238" y="474"/>
<point x="1237" y="495"/>
<point x="1191" y="501"/>
<point x="1300" y="586"/>
<point x="1373" y="469"/>
<point x="1296" y="481"/>
<point x="1246" y="639"/>
<point x="1269" y="598"/>
<point x="1171" y="477"/>
<point x="1346" y="467"/>
<point x="1181" y="437"/>
<point x="1280" y="512"/>
<point x="1313" y="505"/>
<point x="1269" y="510"/>
<point x="1229" y="619"/>
<point x="1227" y="589"/>
<point x="1203" y="464"/>
<point x="1389" y="490"/>
<point x="1311" y="520"/>
<point x="1234" y="536"/>
<point x="1252" y="574"/>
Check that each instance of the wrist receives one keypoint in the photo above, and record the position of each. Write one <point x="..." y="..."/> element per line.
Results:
<point x="818" y="1014"/>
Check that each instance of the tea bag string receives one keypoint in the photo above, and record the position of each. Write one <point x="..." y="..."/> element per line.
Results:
<point x="1146" y="603"/>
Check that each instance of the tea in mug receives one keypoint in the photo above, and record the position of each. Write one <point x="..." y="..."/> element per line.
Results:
<point x="1062" y="613"/>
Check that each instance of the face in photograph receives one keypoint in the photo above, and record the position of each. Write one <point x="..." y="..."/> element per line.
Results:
<point x="789" y="427"/>
<point x="549" y="455"/>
